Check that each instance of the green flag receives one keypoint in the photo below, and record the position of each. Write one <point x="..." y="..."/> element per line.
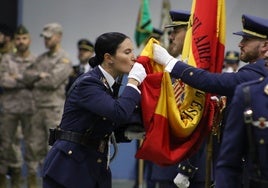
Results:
<point x="144" y="27"/>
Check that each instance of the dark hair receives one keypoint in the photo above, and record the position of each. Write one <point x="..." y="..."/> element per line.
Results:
<point x="106" y="43"/>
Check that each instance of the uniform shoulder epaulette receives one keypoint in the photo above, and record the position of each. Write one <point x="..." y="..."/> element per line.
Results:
<point x="65" y="60"/>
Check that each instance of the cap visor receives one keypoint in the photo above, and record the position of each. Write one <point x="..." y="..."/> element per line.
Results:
<point x="46" y="34"/>
<point x="228" y="61"/>
<point x="241" y="33"/>
<point x="169" y="26"/>
<point x="85" y="47"/>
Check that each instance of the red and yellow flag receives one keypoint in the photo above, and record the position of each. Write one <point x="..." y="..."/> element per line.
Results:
<point x="174" y="133"/>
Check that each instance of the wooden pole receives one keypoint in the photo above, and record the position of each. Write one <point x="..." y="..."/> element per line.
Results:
<point x="208" y="161"/>
<point x="140" y="169"/>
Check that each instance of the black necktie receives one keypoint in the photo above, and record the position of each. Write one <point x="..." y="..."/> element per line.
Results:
<point x="116" y="87"/>
<point x="82" y="69"/>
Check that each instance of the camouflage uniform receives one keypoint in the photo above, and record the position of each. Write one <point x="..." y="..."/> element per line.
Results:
<point x="17" y="108"/>
<point x="49" y="96"/>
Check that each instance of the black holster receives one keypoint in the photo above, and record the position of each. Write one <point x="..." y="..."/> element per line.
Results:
<point x="52" y="136"/>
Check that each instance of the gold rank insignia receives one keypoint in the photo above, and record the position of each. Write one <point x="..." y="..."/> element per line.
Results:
<point x="104" y="81"/>
<point x="266" y="89"/>
<point x="65" y="60"/>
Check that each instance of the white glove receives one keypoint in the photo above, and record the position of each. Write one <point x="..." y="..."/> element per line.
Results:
<point x="137" y="72"/>
<point x="181" y="181"/>
<point x="134" y="132"/>
<point x="161" y="55"/>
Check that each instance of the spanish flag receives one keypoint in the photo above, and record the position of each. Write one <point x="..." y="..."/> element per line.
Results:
<point x="173" y="132"/>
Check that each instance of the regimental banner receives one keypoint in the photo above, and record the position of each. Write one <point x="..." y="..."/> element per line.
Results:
<point x="144" y="26"/>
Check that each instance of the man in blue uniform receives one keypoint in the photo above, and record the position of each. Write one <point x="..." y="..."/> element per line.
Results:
<point x="231" y="61"/>
<point x="245" y="136"/>
<point x="253" y="46"/>
<point x="85" y="52"/>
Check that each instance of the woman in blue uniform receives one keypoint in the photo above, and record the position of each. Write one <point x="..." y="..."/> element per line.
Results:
<point x="80" y="155"/>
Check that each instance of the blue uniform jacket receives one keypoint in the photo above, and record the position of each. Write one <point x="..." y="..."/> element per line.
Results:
<point x="222" y="84"/>
<point x="216" y="83"/>
<point x="90" y="105"/>
<point x="235" y="141"/>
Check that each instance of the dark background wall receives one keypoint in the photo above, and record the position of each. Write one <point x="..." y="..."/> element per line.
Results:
<point x="9" y="13"/>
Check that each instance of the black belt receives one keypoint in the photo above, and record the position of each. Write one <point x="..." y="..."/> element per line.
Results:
<point x="258" y="183"/>
<point x="79" y="138"/>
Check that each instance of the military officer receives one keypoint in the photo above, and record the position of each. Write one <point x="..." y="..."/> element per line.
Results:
<point x="48" y="77"/>
<point x="253" y="46"/>
<point x="18" y="107"/>
<point x="245" y="136"/>
<point x="80" y="155"/>
<point x="85" y="52"/>
<point x="231" y="61"/>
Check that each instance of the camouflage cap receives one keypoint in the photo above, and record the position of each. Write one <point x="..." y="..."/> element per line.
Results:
<point x="51" y="29"/>
<point x="21" y="30"/>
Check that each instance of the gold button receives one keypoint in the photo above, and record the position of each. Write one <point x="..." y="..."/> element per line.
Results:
<point x="183" y="168"/>
<point x="103" y="118"/>
<point x="261" y="141"/>
<point x="136" y="106"/>
<point x="70" y="152"/>
<point x="191" y="73"/>
<point x="266" y="89"/>
<point x="99" y="160"/>
<point x="189" y="170"/>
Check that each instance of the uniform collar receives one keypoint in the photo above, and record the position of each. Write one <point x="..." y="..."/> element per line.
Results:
<point x="108" y="77"/>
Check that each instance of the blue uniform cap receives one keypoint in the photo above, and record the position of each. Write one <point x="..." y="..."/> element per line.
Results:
<point x="254" y="26"/>
<point x="157" y="33"/>
<point x="179" y="18"/>
<point x="231" y="57"/>
<point x="85" y="44"/>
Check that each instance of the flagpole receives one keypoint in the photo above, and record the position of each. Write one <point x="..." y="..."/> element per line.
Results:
<point x="140" y="168"/>
<point x="208" y="161"/>
<point x="165" y="20"/>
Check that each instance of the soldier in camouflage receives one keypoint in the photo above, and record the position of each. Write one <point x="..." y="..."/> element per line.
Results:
<point x="48" y="76"/>
<point x="17" y="109"/>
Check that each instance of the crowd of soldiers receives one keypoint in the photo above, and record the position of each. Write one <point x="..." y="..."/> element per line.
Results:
<point x="33" y="91"/>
